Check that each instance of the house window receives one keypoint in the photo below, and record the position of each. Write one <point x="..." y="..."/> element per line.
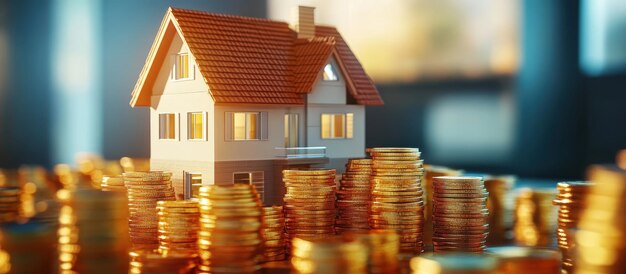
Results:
<point x="255" y="178"/>
<point x="192" y="184"/>
<point x="195" y="126"/>
<point x="181" y="66"/>
<point x="330" y="74"/>
<point x="337" y="126"/>
<point x="167" y="126"/>
<point x="245" y="126"/>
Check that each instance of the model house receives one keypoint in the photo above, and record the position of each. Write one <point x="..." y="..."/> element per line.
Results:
<point x="237" y="100"/>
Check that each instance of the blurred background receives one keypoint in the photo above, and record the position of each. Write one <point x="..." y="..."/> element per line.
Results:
<point x="527" y="87"/>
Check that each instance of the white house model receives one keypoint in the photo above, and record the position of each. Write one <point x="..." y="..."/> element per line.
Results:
<point x="237" y="100"/>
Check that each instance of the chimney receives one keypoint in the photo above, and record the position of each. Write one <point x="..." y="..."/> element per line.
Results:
<point x="306" y="22"/>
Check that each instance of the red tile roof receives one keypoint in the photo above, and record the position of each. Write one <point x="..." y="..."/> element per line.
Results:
<point x="257" y="61"/>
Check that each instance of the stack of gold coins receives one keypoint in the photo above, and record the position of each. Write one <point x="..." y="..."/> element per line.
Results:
<point x="382" y="246"/>
<point x="459" y="214"/>
<point x="230" y="239"/>
<point x="454" y="263"/>
<point x="179" y="222"/>
<point x="571" y="203"/>
<point x="523" y="260"/>
<point x="535" y="217"/>
<point x="328" y="256"/>
<point x="430" y="173"/>
<point x="9" y="204"/>
<point x="396" y="190"/>
<point x="273" y="234"/>
<point x="112" y="183"/>
<point x="152" y="262"/>
<point x="353" y="196"/>
<point x="499" y="224"/>
<point x="601" y="235"/>
<point x="144" y="190"/>
<point x="309" y="203"/>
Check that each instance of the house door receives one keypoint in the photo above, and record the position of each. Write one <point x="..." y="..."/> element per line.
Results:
<point x="291" y="130"/>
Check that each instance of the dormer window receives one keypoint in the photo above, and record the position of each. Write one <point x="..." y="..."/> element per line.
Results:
<point x="330" y="74"/>
<point x="181" y="66"/>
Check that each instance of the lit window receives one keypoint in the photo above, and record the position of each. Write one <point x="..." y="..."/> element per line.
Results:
<point x="246" y="125"/>
<point x="329" y="73"/>
<point x="181" y="67"/>
<point x="195" y="126"/>
<point x="167" y="126"/>
<point x="255" y="178"/>
<point x="337" y="126"/>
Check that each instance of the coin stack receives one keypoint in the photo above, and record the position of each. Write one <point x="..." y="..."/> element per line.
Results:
<point x="178" y="227"/>
<point x="571" y="203"/>
<point x="328" y="256"/>
<point x="523" y="260"/>
<point x="396" y="190"/>
<point x="309" y="203"/>
<point x="382" y="248"/>
<point x="144" y="190"/>
<point x="535" y="217"/>
<point x="9" y="204"/>
<point x="353" y="196"/>
<point x="151" y="262"/>
<point x="499" y="215"/>
<point x="459" y="214"/>
<point x="112" y="183"/>
<point x="230" y="239"/>
<point x="273" y="234"/>
<point x="454" y="263"/>
<point x="431" y="172"/>
<point x="601" y="231"/>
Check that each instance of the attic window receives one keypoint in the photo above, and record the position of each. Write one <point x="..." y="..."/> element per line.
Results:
<point x="330" y="74"/>
<point x="181" y="66"/>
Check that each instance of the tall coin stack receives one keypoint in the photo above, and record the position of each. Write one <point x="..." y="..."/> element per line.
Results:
<point x="500" y="218"/>
<point x="382" y="247"/>
<point x="601" y="231"/>
<point x="273" y="234"/>
<point x="571" y="203"/>
<point x="396" y="189"/>
<point x="353" y="196"/>
<point x="328" y="256"/>
<point x="9" y="204"/>
<point x="152" y="262"/>
<point x="309" y="203"/>
<point x="144" y="190"/>
<point x="178" y="227"/>
<point x="112" y="183"/>
<point x="230" y="239"/>
<point x="535" y="217"/>
<point x="459" y="214"/>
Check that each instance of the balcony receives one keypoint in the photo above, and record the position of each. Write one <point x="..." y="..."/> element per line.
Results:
<point x="302" y="155"/>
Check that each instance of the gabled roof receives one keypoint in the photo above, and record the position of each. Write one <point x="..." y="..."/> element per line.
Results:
<point x="253" y="61"/>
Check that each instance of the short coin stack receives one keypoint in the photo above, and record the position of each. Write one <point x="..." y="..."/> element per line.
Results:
<point x="535" y="217"/>
<point x="601" y="231"/>
<point x="382" y="248"/>
<point x="150" y="262"/>
<point x="230" y="239"/>
<point x="459" y="214"/>
<point x="523" y="260"/>
<point x="273" y="234"/>
<point x="144" y="190"/>
<point x="396" y="189"/>
<point x="328" y="256"/>
<point x="9" y="203"/>
<point x="500" y="219"/>
<point x="454" y="263"/>
<point x="571" y="203"/>
<point x="178" y="227"/>
<point x="112" y="183"/>
<point x="309" y="203"/>
<point x="353" y="196"/>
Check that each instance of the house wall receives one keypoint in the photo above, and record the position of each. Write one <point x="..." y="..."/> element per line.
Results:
<point x="329" y="92"/>
<point x="180" y="97"/>
<point x="337" y="148"/>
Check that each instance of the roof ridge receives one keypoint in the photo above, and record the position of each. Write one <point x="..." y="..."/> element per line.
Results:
<point x="207" y="13"/>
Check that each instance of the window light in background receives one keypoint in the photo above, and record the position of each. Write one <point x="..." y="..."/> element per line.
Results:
<point x="603" y="36"/>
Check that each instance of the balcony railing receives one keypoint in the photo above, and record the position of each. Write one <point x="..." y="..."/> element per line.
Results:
<point x="301" y="152"/>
